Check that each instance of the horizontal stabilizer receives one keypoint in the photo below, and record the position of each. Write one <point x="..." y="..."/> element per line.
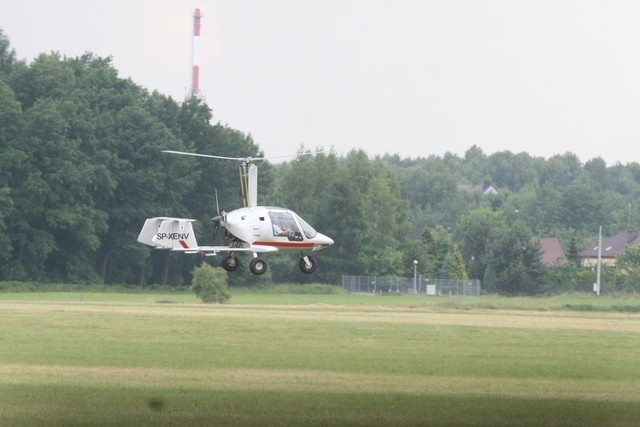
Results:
<point x="213" y="250"/>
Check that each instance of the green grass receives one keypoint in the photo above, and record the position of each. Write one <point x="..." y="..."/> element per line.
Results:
<point x="146" y="297"/>
<point x="322" y="294"/>
<point x="142" y="406"/>
<point x="281" y="359"/>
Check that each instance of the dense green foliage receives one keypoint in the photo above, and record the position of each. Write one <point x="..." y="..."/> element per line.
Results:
<point x="81" y="168"/>
<point x="210" y="284"/>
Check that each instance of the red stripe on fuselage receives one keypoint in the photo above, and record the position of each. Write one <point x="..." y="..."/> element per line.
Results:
<point x="285" y="244"/>
<point x="183" y="244"/>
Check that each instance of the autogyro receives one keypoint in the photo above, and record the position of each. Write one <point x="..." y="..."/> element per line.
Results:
<point x="252" y="228"/>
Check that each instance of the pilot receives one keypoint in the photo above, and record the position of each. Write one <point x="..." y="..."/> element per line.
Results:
<point x="278" y="231"/>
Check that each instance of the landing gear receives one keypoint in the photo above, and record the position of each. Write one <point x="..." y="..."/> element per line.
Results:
<point x="258" y="266"/>
<point x="230" y="262"/>
<point x="307" y="264"/>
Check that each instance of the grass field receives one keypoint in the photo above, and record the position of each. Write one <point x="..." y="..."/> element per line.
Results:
<point x="126" y="359"/>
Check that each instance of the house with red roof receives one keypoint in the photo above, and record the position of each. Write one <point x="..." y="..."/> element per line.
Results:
<point x="611" y="247"/>
<point x="552" y="253"/>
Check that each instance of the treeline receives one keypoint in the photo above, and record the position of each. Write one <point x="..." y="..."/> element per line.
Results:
<point x="81" y="168"/>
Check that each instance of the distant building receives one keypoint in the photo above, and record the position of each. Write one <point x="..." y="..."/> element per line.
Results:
<point x="485" y="188"/>
<point x="611" y="247"/>
<point x="552" y="253"/>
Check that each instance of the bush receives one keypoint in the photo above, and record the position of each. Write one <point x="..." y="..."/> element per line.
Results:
<point x="210" y="284"/>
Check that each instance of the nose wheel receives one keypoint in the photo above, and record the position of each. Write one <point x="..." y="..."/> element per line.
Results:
<point x="307" y="264"/>
<point x="258" y="266"/>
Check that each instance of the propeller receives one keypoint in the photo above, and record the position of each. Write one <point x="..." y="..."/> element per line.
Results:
<point x="217" y="219"/>
<point x="217" y="204"/>
<point x="216" y="225"/>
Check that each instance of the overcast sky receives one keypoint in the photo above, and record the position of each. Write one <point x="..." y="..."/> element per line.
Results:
<point x="410" y="77"/>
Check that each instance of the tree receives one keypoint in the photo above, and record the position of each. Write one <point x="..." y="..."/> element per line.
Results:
<point x="596" y="169"/>
<point x="476" y="233"/>
<point x="12" y="163"/>
<point x="336" y="219"/>
<point x="560" y="171"/>
<point x="511" y="170"/>
<point x="629" y="263"/>
<point x="573" y="254"/>
<point x="210" y="284"/>
<point x="514" y="264"/>
<point x="581" y="208"/>
<point x="457" y="269"/>
<point x="436" y="246"/>
<point x="445" y="267"/>
<point x="48" y="77"/>
<point x="68" y="212"/>
<point x="149" y="183"/>
<point x="428" y="183"/>
<point x="7" y="55"/>
<point x="475" y="163"/>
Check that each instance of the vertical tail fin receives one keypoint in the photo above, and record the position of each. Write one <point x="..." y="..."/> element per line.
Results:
<point x="168" y="233"/>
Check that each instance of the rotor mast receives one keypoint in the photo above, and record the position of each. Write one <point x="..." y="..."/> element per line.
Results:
<point x="249" y="184"/>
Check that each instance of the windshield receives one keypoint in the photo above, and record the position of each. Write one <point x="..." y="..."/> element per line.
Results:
<point x="308" y="230"/>
<point x="283" y="224"/>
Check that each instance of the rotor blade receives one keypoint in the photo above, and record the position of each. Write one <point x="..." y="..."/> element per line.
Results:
<point x="242" y="159"/>
<point x="294" y="155"/>
<point x="210" y="156"/>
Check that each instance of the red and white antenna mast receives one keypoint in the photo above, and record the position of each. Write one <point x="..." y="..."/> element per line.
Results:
<point x="195" y="56"/>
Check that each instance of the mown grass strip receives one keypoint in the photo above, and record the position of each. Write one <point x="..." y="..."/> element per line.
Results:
<point x="62" y="405"/>
<point x="310" y="295"/>
<point x="478" y="318"/>
<point x="319" y="381"/>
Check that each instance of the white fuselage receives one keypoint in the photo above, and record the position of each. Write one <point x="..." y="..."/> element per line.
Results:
<point x="274" y="227"/>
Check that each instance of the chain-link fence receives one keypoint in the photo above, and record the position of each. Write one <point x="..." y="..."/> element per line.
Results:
<point x="410" y="286"/>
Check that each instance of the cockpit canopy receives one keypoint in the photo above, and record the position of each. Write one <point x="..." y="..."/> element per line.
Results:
<point x="285" y="222"/>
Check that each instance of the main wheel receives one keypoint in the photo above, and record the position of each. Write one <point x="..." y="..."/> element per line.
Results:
<point x="308" y="269"/>
<point x="230" y="262"/>
<point x="258" y="266"/>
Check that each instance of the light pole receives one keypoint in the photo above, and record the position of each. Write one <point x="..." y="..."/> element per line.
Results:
<point x="415" y="277"/>
<point x="597" y="284"/>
